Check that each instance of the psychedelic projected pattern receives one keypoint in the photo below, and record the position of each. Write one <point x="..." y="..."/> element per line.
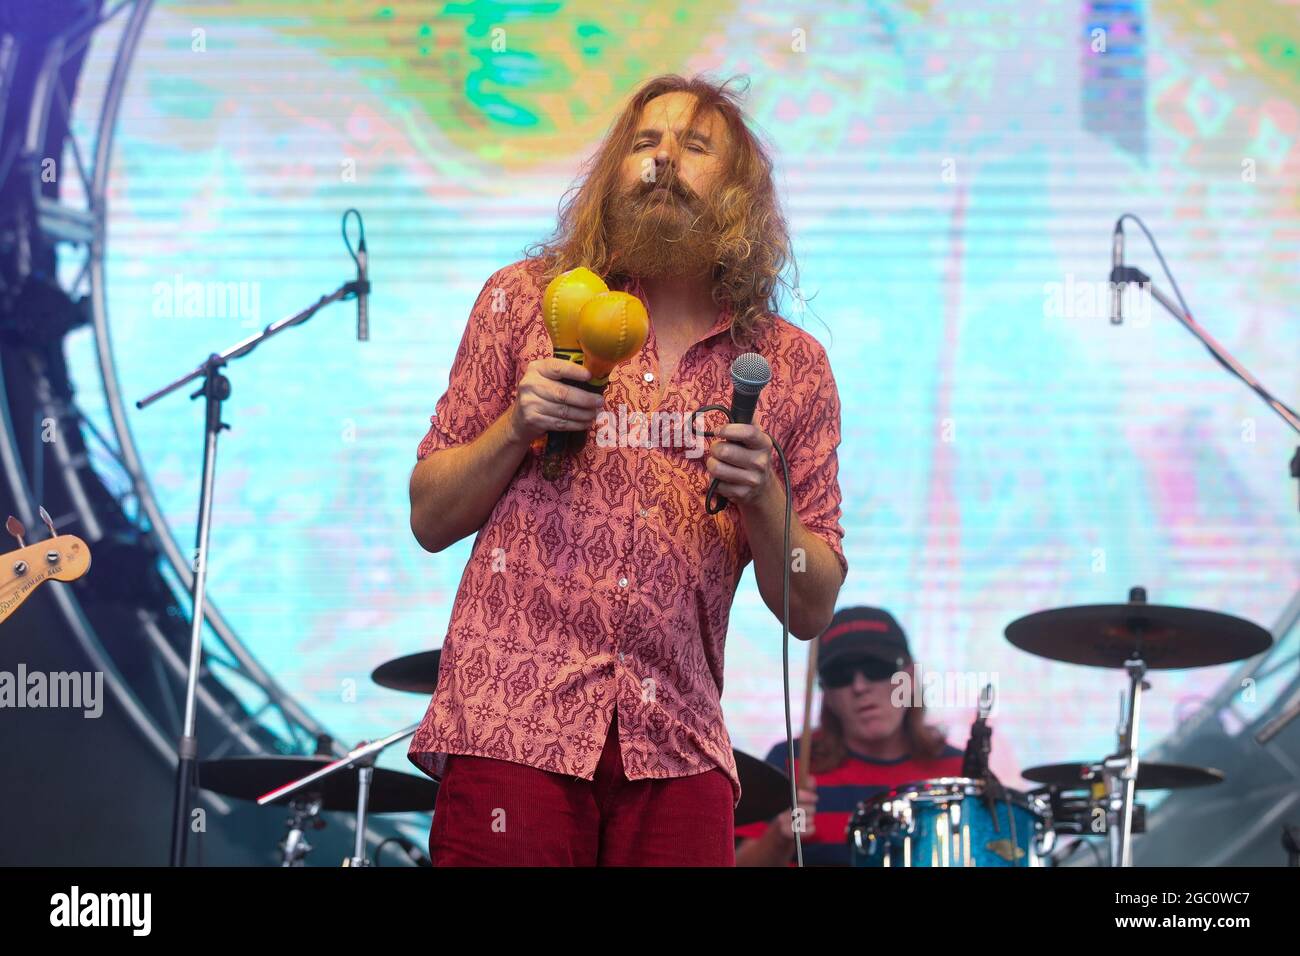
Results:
<point x="952" y="172"/>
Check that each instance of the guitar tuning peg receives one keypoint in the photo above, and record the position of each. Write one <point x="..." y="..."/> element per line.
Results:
<point x="49" y="522"/>
<point x="15" y="528"/>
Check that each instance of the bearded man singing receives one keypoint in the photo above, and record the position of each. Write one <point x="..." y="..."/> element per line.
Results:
<point x="578" y="719"/>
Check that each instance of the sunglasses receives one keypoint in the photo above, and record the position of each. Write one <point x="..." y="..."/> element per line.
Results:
<point x="841" y="673"/>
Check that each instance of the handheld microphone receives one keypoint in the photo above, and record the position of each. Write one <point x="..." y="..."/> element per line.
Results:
<point x="363" y="294"/>
<point x="749" y="374"/>
<point x="1116" y="271"/>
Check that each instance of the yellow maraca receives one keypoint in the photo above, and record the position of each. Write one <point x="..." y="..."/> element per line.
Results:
<point x="611" y="329"/>
<point x="562" y="303"/>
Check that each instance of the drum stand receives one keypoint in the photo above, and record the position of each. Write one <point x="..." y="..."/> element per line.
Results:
<point x="1120" y="770"/>
<point x="363" y="758"/>
<point x="303" y="814"/>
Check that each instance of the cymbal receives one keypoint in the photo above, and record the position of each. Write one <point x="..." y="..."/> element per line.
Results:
<point x="764" y="790"/>
<point x="1151" y="776"/>
<point x="414" y="673"/>
<point x="1106" y="635"/>
<point x="247" y="778"/>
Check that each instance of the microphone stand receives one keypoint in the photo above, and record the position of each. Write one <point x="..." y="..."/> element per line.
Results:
<point x="215" y="389"/>
<point x="1122" y="274"/>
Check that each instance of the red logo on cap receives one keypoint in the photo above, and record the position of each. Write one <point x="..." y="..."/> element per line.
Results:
<point x="854" y="627"/>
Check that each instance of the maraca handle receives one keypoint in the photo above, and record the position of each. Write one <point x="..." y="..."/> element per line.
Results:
<point x="578" y="440"/>
<point x="557" y="443"/>
<point x="561" y="445"/>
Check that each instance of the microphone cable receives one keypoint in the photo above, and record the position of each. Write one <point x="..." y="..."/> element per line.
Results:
<point x="710" y="504"/>
<point x="413" y="852"/>
<point x="361" y="229"/>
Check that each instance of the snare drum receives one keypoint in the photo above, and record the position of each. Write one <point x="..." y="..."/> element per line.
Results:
<point x="947" y="822"/>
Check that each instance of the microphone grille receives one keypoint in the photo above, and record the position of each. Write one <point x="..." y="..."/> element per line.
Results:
<point x="750" y="372"/>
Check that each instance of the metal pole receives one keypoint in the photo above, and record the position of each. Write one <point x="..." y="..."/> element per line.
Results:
<point x="216" y="389"/>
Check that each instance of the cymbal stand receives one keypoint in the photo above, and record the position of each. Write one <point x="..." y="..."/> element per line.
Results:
<point x="363" y="758"/>
<point x="1120" y="770"/>
<point x="303" y="813"/>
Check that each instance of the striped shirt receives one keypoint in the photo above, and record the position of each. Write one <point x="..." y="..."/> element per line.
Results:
<point x="839" y="792"/>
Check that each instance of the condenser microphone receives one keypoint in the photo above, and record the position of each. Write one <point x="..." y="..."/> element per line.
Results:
<point x="360" y="287"/>
<point x="363" y="294"/>
<point x="975" y="759"/>
<point x="1116" y="271"/>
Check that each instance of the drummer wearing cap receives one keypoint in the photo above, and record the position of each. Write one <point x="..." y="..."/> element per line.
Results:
<point x="864" y="744"/>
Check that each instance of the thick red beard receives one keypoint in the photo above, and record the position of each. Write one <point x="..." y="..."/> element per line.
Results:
<point x="661" y="233"/>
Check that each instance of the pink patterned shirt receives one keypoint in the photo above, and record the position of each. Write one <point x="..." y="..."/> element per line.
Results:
<point x="611" y="586"/>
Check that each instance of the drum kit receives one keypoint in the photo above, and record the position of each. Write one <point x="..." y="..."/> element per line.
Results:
<point x="950" y="821"/>
<point x="975" y="821"/>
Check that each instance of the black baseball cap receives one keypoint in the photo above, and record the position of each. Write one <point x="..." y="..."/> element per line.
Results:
<point x="858" y="633"/>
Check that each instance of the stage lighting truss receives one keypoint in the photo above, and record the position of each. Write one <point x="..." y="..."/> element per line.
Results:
<point x="75" y="221"/>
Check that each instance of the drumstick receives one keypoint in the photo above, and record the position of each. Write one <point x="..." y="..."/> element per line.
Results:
<point x="805" y="738"/>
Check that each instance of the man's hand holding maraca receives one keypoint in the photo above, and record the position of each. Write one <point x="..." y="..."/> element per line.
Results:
<point x="547" y="402"/>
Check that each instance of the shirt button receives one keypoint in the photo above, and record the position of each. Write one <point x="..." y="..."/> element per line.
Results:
<point x="622" y="657"/>
<point x="644" y="512"/>
<point x="649" y="376"/>
<point x="622" y="582"/>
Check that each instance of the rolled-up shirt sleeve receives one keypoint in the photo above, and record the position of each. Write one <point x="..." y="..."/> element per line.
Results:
<point x="814" y="462"/>
<point x="483" y="379"/>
